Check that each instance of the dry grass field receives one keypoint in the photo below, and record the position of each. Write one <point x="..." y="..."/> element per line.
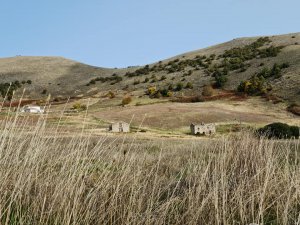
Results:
<point x="49" y="176"/>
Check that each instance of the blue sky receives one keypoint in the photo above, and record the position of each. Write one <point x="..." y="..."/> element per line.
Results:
<point x="121" y="33"/>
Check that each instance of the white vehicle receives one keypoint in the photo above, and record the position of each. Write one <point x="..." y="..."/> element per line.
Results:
<point x="32" y="109"/>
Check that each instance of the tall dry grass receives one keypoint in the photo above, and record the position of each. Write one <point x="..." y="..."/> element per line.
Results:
<point x="50" y="177"/>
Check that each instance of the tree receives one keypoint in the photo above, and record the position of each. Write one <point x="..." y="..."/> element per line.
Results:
<point x="220" y="81"/>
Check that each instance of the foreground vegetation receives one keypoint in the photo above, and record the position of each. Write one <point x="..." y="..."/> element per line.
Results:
<point x="48" y="177"/>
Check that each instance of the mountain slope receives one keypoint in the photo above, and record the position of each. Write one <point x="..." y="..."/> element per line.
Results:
<point x="238" y="60"/>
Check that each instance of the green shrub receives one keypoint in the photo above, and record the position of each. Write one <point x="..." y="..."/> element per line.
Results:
<point x="164" y="92"/>
<point x="189" y="85"/>
<point x="279" y="130"/>
<point x="179" y="86"/>
<point x="295" y="131"/>
<point x="78" y="106"/>
<point x="246" y="52"/>
<point x="114" y="78"/>
<point x="220" y="81"/>
<point x="275" y="71"/>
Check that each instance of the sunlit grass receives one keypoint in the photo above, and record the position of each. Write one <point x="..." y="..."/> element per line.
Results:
<point x="50" y="178"/>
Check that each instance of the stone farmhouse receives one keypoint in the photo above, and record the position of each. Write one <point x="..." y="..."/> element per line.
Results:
<point x="203" y="129"/>
<point x="119" y="127"/>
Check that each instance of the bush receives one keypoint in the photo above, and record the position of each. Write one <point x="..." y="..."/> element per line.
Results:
<point x="126" y="100"/>
<point x="169" y="94"/>
<point x="111" y="94"/>
<point x="151" y="90"/>
<point x="136" y="82"/>
<point x="163" y="92"/>
<point x="295" y="131"/>
<point x="275" y="71"/>
<point x="44" y="92"/>
<point x="208" y="91"/>
<point x="279" y="130"/>
<point x="189" y="85"/>
<point x="157" y="95"/>
<point x="29" y="82"/>
<point x="179" y="86"/>
<point x="220" y="81"/>
<point x="163" y="78"/>
<point x="80" y="107"/>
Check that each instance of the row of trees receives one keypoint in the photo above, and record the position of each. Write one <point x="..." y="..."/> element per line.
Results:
<point x="7" y="89"/>
<point x="153" y="92"/>
<point x="257" y="84"/>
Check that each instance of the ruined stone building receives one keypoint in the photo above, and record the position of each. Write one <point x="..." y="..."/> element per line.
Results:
<point x="119" y="127"/>
<point x="203" y="129"/>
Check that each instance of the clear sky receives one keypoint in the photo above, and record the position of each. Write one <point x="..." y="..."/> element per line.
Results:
<point x="121" y="33"/>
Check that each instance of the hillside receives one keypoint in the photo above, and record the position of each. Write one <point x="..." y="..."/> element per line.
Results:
<point x="276" y="59"/>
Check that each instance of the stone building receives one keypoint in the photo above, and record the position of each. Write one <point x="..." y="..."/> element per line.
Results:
<point x="32" y="109"/>
<point x="119" y="127"/>
<point x="203" y="129"/>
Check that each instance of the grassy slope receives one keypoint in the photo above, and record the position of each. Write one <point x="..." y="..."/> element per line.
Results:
<point x="63" y="77"/>
<point x="57" y="75"/>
